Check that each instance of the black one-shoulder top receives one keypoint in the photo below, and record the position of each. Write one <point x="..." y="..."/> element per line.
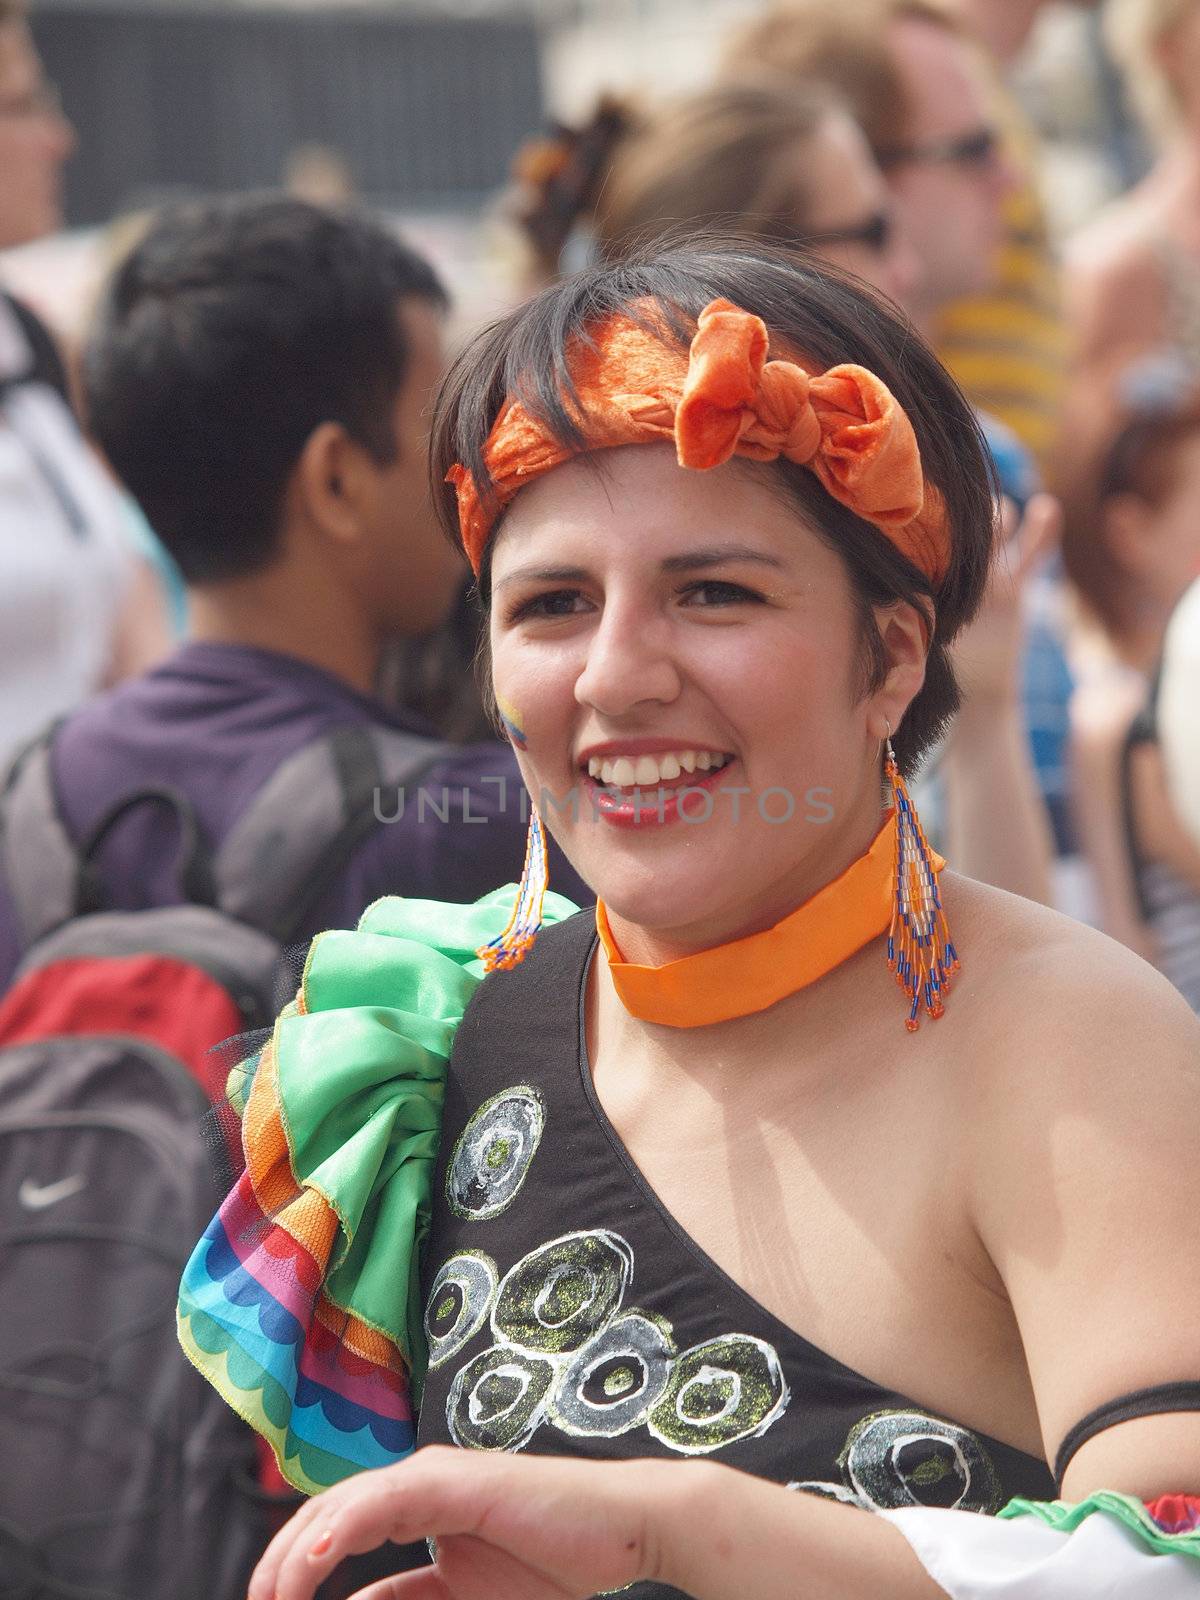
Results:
<point x="569" y="1314"/>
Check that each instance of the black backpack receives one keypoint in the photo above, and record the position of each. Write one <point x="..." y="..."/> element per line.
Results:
<point x="123" y="1476"/>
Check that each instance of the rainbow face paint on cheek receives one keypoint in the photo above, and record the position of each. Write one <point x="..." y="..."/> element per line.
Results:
<point x="511" y="719"/>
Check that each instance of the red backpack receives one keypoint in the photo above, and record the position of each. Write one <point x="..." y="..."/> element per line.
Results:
<point x="125" y="1476"/>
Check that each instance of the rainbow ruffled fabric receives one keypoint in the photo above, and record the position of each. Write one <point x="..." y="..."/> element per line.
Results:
<point x="301" y="1304"/>
<point x="1169" y="1525"/>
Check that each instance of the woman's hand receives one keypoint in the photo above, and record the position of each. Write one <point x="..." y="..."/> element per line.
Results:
<point x="542" y="1528"/>
<point x="517" y="1527"/>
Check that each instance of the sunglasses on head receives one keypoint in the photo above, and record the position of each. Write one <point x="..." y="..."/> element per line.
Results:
<point x="976" y="149"/>
<point x="874" y="231"/>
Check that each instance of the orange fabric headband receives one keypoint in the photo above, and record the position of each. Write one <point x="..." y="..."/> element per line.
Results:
<point x="724" y="398"/>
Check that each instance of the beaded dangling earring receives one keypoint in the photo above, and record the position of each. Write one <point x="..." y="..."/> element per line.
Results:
<point x="920" y="952"/>
<point x="511" y="946"/>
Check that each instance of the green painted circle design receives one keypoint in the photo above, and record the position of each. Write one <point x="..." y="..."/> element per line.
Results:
<point x="493" y="1153"/>
<point x="611" y="1384"/>
<point x="498" y="1399"/>
<point x="561" y="1295"/>
<point x="460" y="1298"/>
<point x="725" y="1389"/>
<point x="905" y="1458"/>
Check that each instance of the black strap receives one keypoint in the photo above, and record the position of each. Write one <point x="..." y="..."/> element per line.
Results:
<point x="45" y="365"/>
<point x="288" y="849"/>
<point x="39" y="862"/>
<point x="196" y="878"/>
<point x="1141" y="731"/>
<point x="281" y="857"/>
<point x="1153" y="1402"/>
<point x="361" y="775"/>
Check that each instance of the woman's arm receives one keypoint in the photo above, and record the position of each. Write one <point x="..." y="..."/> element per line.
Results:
<point x="997" y="827"/>
<point x="1086" y="1190"/>
<point x="537" y="1528"/>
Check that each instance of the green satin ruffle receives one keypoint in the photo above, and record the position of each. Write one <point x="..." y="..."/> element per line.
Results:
<point x="1066" y="1517"/>
<point x="361" y="1069"/>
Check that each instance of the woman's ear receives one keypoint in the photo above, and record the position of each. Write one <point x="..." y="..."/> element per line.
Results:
<point x="904" y="632"/>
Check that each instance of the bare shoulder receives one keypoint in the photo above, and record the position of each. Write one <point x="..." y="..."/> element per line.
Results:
<point x="1062" y="1010"/>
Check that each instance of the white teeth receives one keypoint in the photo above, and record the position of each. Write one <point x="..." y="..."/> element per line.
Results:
<point x="642" y="772"/>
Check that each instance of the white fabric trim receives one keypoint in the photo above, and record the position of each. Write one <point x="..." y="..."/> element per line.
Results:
<point x="1178" y="724"/>
<point x="65" y="561"/>
<point x="974" y="1557"/>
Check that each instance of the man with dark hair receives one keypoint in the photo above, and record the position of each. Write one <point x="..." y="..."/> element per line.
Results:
<point x="259" y="377"/>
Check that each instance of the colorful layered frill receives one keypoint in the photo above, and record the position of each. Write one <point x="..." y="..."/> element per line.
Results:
<point x="1106" y="1546"/>
<point x="301" y="1303"/>
<point x="1169" y="1525"/>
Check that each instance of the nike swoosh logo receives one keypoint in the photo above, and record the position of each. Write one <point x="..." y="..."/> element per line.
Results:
<point x="37" y="1196"/>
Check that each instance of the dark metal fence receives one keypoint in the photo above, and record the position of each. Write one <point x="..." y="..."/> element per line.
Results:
<point x="426" y="111"/>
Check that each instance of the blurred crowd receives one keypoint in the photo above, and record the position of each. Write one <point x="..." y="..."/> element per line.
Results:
<point x="217" y="548"/>
<point x="155" y="512"/>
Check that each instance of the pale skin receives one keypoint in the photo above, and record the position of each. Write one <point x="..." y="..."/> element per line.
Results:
<point x="963" y="1214"/>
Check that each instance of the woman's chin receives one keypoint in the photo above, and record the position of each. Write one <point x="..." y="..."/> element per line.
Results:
<point x="684" y="913"/>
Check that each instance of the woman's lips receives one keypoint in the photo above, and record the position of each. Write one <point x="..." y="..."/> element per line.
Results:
<point x="665" y="803"/>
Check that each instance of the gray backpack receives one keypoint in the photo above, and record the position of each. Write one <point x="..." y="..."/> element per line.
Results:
<point x="123" y="1476"/>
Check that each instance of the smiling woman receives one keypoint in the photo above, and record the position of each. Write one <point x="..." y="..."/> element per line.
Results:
<point x="701" y="1201"/>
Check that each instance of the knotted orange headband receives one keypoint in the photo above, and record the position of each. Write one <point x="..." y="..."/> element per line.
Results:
<point x="719" y="399"/>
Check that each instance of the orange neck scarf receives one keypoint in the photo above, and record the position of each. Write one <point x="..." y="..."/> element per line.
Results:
<point x="721" y="398"/>
<point x="748" y="975"/>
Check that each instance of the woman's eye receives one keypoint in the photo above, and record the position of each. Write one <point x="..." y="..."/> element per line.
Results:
<point x="713" y="592"/>
<point x="555" y="603"/>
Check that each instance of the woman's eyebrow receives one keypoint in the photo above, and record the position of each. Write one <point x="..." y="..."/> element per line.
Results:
<point x="543" y="575"/>
<point x="686" y="561"/>
<point x="719" y="555"/>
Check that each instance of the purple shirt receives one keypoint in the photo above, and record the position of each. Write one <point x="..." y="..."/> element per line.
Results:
<point x="215" y="721"/>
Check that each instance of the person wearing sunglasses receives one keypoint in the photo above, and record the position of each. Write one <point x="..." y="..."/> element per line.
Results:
<point x="764" y="156"/>
<point x="916" y="84"/>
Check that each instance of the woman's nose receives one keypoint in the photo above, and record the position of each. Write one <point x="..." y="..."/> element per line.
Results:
<point x="629" y="661"/>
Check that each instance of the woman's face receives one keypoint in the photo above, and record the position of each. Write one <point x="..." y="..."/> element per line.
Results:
<point x="1172" y="546"/>
<point x="1161" y="546"/>
<point x="655" y="630"/>
<point x="846" y="192"/>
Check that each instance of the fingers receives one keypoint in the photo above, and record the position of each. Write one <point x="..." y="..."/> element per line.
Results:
<point x="427" y="1584"/>
<point x="1038" y="535"/>
<point x="263" y="1580"/>
<point x="419" y="1496"/>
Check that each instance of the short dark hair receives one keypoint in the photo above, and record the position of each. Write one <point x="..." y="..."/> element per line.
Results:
<point x="814" y="310"/>
<point x="231" y="331"/>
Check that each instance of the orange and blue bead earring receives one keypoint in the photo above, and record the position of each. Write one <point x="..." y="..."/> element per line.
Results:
<point x="515" y="942"/>
<point x="920" y="951"/>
